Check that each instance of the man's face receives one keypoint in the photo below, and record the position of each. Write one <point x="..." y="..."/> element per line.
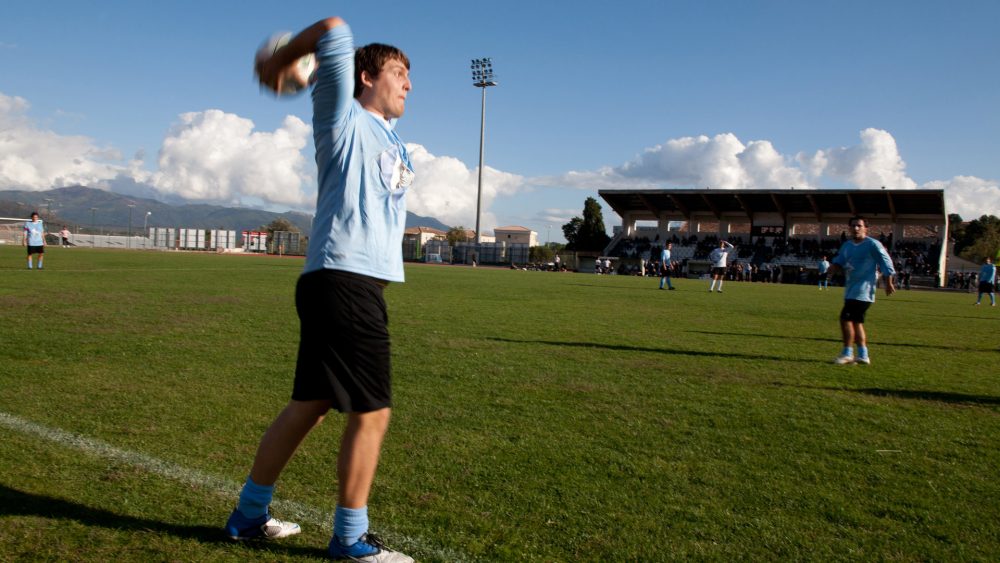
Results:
<point x="388" y="92"/>
<point x="34" y="217"/>
<point x="858" y="230"/>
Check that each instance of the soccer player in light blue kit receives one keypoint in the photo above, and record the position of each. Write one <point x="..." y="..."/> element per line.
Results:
<point x="858" y="258"/>
<point x="665" y="265"/>
<point x="355" y="251"/>
<point x="823" y="266"/>
<point x="34" y="239"/>
<point x="987" y="279"/>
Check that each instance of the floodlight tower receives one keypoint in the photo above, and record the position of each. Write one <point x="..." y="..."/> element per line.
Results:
<point x="145" y="229"/>
<point x="128" y="241"/>
<point x="482" y="77"/>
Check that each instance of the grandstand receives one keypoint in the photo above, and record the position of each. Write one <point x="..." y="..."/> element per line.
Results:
<point x="785" y="229"/>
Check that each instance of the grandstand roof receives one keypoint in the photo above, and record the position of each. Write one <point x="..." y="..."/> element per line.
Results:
<point x="819" y="205"/>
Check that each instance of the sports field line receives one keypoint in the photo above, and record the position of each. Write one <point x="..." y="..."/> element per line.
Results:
<point x="291" y="510"/>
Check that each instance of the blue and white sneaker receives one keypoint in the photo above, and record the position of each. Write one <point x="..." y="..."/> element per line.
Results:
<point x="241" y="528"/>
<point x="844" y="360"/>
<point x="368" y="549"/>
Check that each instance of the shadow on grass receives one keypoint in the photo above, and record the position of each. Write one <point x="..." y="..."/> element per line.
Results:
<point x="994" y="319"/>
<point x="19" y="503"/>
<point x="818" y="339"/>
<point x="671" y="352"/>
<point x="935" y="396"/>
<point x="939" y="396"/>
<point x="602" y="286"/>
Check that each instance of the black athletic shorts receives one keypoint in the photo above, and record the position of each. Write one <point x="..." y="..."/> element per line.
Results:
<point x="985" y="287"/>
<point x="344" y="341"/>
<point x="854" y="310"/>
<point x="718" y="271"/>
<point x="36" y="250"/>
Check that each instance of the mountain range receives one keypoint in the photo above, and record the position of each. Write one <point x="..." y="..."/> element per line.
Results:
<point x="89" y="208"/>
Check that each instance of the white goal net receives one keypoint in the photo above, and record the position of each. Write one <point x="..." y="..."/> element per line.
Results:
<point x="12" y="230"/>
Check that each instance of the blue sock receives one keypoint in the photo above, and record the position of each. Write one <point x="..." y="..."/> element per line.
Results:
<point x="349" y="524"/>
<point x="848" y="351"/>
<point x="661" y="282"/>
<point x="254" y="499"/>
<point x="862" y="351"/>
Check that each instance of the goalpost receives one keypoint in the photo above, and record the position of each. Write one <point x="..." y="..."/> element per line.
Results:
<point x="12" y="230"/>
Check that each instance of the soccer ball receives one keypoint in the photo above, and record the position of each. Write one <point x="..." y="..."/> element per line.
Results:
<point x="299" y="75"/>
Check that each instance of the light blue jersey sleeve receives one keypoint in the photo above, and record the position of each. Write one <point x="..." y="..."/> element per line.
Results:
<point x="363" y="173"/>
<point x="860" y="262"/>
<point x="334" y="90"/>
<point x="988" y="274"/>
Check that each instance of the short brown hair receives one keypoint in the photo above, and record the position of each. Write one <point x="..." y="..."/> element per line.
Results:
<point x="857" y="218"/>
<point x="371" y="58"/>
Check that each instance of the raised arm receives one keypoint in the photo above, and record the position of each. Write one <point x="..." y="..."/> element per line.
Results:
<point x="271" y="72"/>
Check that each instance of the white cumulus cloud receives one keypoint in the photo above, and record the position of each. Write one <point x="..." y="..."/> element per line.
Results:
<point x="872" y="164"/>
<point x="722" y="161"/>
<point x="217" y="156"/>
<point x="36" y="159"/>
<point x="444" y="188"/>
<point x="969" y="196"/>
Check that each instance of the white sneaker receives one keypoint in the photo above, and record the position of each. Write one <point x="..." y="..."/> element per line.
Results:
<point x="240" y="527"/>
<point x="865" y="361"/>
<point x="844" y="360"/>
<point x="368" y="549"/>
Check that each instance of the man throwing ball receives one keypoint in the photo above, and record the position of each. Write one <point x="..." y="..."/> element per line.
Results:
<point x="355" y="251"/>
<point x="858" y="258"/>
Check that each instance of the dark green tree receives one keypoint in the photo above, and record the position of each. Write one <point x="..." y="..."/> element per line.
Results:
<point x="279" y="224"/>
<point x="587" y="232"/>
<point x="456" y="235"/>
<point x="541" y="254"/>
<point x="955" y="226"/>
<point x="571" y="232"/>
<point x="592" y="234"/>
<point x="979" y="239"/>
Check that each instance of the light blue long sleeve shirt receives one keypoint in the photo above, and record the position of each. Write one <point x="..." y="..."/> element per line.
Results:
<point x="35" y="231"/>
<point x="364" y="171"/>
<point x="859" y="261"/>
<point x="988" y="274"/>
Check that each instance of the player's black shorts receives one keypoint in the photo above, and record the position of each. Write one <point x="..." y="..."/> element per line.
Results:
<point x="344" y="341"/>
<point x="718" y="271"/>
<point x="36" y="250"/>
<point x="854" y="310"/>
<point x="985" y="287"/>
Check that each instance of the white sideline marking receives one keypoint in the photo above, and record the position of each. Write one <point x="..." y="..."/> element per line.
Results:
<point x="291" y="510"/>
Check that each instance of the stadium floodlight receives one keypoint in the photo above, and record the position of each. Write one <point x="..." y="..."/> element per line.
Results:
<point x="482" y="77"/>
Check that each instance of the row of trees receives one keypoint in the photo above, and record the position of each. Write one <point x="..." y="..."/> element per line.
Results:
<point x="976" y="240"/>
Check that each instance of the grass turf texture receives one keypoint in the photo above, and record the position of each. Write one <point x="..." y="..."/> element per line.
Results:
<point x="539" y="416"/>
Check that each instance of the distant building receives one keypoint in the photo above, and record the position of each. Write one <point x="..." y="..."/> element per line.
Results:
<point x="516" y="235"/>
<point x="423" y="234"/>
<point x="469" y="235"/>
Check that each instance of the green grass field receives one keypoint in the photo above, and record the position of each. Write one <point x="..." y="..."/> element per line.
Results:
<point x="538" y="417"/>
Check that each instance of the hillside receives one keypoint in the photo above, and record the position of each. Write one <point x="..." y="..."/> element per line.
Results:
<point x="86" y="207"/>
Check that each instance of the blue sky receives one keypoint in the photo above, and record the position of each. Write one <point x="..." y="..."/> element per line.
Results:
<point x="157" y="99"/>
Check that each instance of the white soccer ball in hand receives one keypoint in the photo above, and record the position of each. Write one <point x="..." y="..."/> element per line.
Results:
<point x="299" y="75"/>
